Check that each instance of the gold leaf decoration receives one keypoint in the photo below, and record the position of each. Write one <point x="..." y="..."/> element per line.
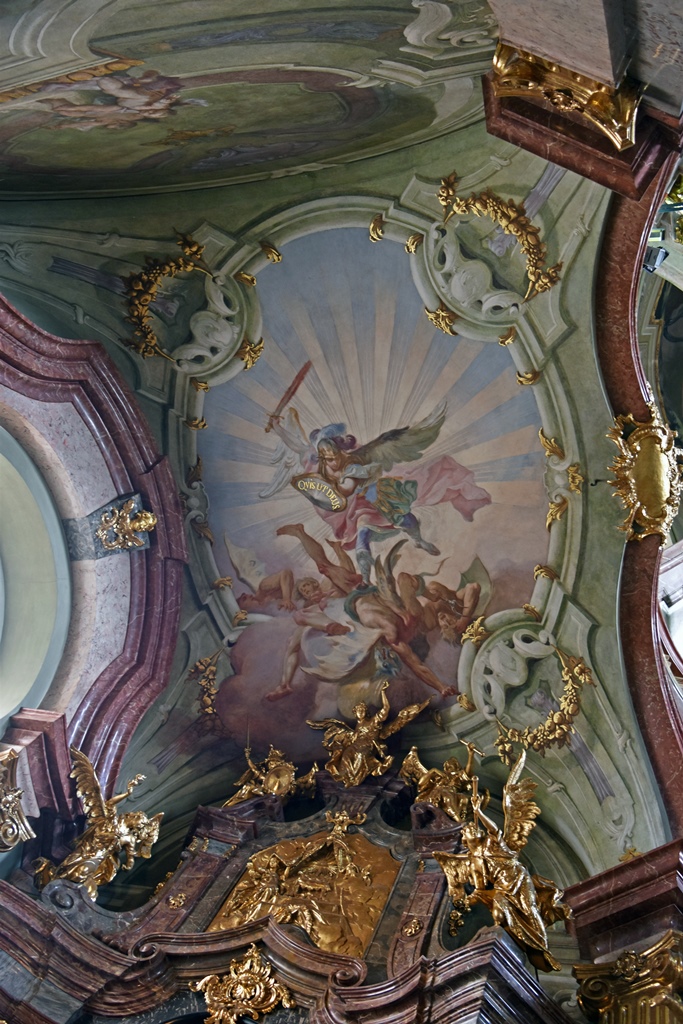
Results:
<point x="556" y="510"/>
<point x="199" y="385"/>
<point x="202" y="529"/>
<point x="196" y="423"/>
<point x="529" y="377"/>
<point x="575" y="478"/>
<point x="243" y="278"/>
<point x="465" y="702"/>
<point x="238" y="617"/>
<point x="270" y="252"/>
<point x="414" y="243"/>
<point x="178" y="900"/>
<point x="377" y="225"/>
<point x="443" y="318"/>
<point x="194" y="473"/>
<point x="551" y="445"/>
<point x="546" y="572"/>
<point x="249" y="352"/>
<point x="221" y="583"/>
<point x="119" y="527"/>
<point x="476" y="633"/>
<point x="531" y="610"/>
<point x="508" y="337"/>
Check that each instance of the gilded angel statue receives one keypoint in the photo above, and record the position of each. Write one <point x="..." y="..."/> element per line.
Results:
<point x="111" y="841"/>
<point x="358" y="751"/>
<point x="276" y="776"/>
<point x="490" y="872"/>
<point x="448" y="788"/>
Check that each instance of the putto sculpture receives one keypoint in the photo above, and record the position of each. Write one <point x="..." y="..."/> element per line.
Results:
<point x="111" y="841"/>
<point x="490" y="872"/>
<point x="275" y="776"/>
<point x="358" y="751"/>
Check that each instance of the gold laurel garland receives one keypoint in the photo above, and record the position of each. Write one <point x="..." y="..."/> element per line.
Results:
<point x="556" y="730"/>
<point x="510" y="216"/>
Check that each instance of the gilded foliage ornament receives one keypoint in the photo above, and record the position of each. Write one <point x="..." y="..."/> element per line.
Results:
<point x="270" y="252"/>
<point x="648" y="474"/>
<point x="249" y="352"/>
<point x="528" y="377"/>
<point x="248" y="990"/>
<point x="243" y="278"/>
<point x="510" y="216"/>
<point x="443" y="318"/>
<point x="475" y="632"/>
<point x="556" y="509"/>
<point x="414" y="242"/>
<point x="119" y="527"/>
<point x="508" y="337"/>
<point x="546" y="572"/>
<point x="376" y="230"/>
<point x="525" y="75"/>
<point x="551" y="446"/>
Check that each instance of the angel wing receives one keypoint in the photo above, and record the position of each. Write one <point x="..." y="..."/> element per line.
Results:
<point x="404" y="444"/>
<point x="87" y="786"/>
<point x="335" y="733"/>
<point x="457" y="870"/>
<point x="518" y="805"/>
<point x="404" y="716"/>
<point x="290" y="456"/>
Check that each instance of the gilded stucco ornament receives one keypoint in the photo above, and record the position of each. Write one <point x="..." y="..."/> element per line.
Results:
<point x="376" y="230"/>
<point x="203" y="672"/>
<point x="443" y="318"/>
<point x="527" y="76"/>
<point x="414" y="242"/>
<point x="358" y="751"/>
<point x="490" y="872"/>
<point x="648" y="474"/>
<point x="510" y="216"/>
<point x="249" y="352"/>
<point x="476" y="633"/>
<point x="545" y="572"/>
<point x="111" y="841"/>
<point x="14" y="828"/>
<point x="558" y="726"/>
<point x="270" y="252"/>
<point x="639" y="987"/>
<point x="248" y="990"/>
<point x="275" y="776"/>
<point x="119" y="527"/>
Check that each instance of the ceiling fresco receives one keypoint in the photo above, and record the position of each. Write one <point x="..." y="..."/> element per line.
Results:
<point x="179" y="103"/>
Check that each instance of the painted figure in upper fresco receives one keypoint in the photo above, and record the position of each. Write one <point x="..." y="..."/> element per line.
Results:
<point x="347" y="481"/>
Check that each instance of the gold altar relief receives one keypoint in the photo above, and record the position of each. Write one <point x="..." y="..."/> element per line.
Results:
<point x="448" y="788"/>
<point x="522" y="903"/>
<point x="638" y="987"/>
<point x="273" y="777"/>
<point x="334" y="885"/>
<point x="611" y="110"/>
<point x="142" y="288"/>
<point x="356" y="752"/>
<point x="377" y="225"/>
<point x="14" y="828"/>
<point x="443" y="318"/>
<point x="558" y="726"/>
<point x="510" y="216"/>
<point x="249" y="990"/>
<point x="111" y="841"/>
<point x="249" y="352"/>
<point x="118" y="529"/>
<point x="648" y="474"/>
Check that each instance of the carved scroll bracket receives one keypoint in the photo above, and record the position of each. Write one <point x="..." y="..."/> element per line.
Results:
<point x="14" y="828"/>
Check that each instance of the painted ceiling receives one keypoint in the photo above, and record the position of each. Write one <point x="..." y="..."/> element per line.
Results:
<point x="332" y="332"/>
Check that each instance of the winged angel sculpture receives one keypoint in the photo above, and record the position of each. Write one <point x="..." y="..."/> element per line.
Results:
<point x="490" y="872"/>
<point x="356" y="752"/>
<point x="110" y="842"/>
<point x="348" y="483"/>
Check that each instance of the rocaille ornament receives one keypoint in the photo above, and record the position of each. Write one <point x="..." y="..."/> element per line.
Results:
<point x="248" y="990"/>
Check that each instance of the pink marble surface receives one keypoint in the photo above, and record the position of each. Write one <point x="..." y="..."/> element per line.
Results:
<point x="126" y="645"/>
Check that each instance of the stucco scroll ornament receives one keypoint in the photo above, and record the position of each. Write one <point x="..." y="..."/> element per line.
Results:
<point x="490" y="872"/>
<point x="119" y="527"/>
<point x="648" y="474"/>
<point x="358" y="751"/>
<point x="111" y="841"/>
<point x="248" y="990"/>
<point x="14" y="827"/>
<point x="639" y="987"/>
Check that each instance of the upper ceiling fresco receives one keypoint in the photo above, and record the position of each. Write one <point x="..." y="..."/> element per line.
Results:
<point x="112" y="98"/>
